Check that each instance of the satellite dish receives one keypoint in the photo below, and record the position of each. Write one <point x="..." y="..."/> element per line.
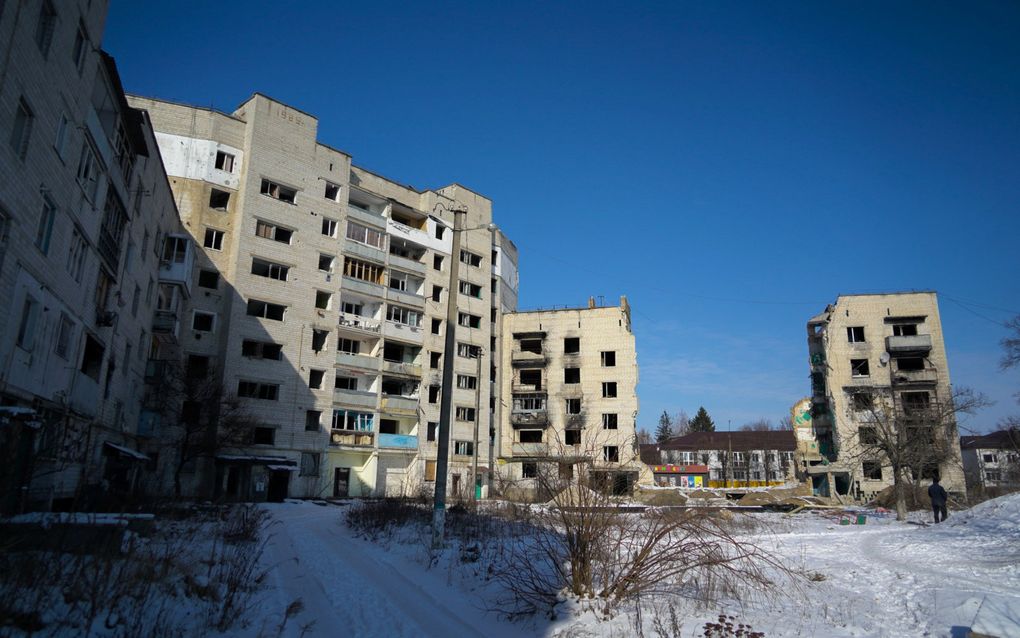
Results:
<point x="884" y="359"/>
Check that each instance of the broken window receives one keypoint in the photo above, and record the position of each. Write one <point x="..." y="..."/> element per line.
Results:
<point x="609" y="421"/>
<point x="266" y="310"/>
<point x="363" y="270"/>
<point x="312" y="418"/>
<point x="309" y="464"/>
<point x="526" y="402"/>
<point x="323" y="299"/>
<point x="611" y="453"/>
<point x="256" y="390"/>
<point x="466" y="381"/>
<point x="203" y="321"/>
<point x="45" y="26"/>
<point x="464" y="448"/>
<point x="263" y="268"/>
<point x="272" y="231"/>
<point x="437" y="326"/>
<point x="572" y="437"/>
<point x="915" y="402"/>
<point x="468" y="351"/>
<point x="65" y="332"/>
<point x="910" y="363"/>
<point x="213" y="239"/>
<point x="351" y="308"/>
<point x="468" y="320"/>
<point x="345" y="383"/>
<point x="29" y="323"/>
<point x="470" y="289"/>
<point x="218" y="199"/>
<point x="469" y="258"/>
<point x="263" y="436"/>
<point x="440" y="231"/>
<point x="278" y="191"/>
<point x="437" y="262"/>
<point x="348" y="346"/>
<point x="437" y="293"/>
<point x="530" y="377"/>
<point x="365" y="235"/>
<point x="431" y="429"/>
<point x="608" y="359"/>
<point x="89" y="169"/>
<point x="571" y="345"/>
<point x="859" y="368"/>
<point x="326" y="262"/>
<point x="319" y="339"/>
<point x="861" y="401"/>
<point x="530" y="436"/>
<point x="529" y="470"/>
<point x="872" y="470"/>
<point x="989" y="458"/>
<point x="531" y="345"/>
<point x="332" y="192"/>
<point x="22" y="130"/>
<point x="329" y="227"/>
<point x="855" y="334"/>
<point x="44" y="231"/>
<point x="350" y="420"/>
<point x="904" y="330"/>
<point x="433" y="394"/>
<point x="224" y="161"/>
<point x="434" y="359"/>
<point x="81" y="42"/>
<point x="573" y="406"/>
<point x="465" y="413"/>
<point x="261" y="350"/>
<point x="208" y="279"/>
<point x="404" y="316"/>
<point x="609" y="389"/>
<point x="571" y="375"/>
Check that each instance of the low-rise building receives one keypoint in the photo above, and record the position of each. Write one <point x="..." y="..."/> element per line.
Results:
<point x="724" y="459"/>
<point x="992" y="460"/>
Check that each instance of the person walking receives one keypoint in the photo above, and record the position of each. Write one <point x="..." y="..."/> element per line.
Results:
<point x="938" y="497"/>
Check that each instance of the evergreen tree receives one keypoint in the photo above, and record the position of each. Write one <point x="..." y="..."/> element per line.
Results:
<point x="665" y="429"/>
<point x="702" y="422"/>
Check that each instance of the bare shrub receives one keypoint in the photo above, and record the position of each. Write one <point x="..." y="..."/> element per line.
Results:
<point x="377" y="518"/>
<point x="728" y="627"/>
<point x="245" y="523"/>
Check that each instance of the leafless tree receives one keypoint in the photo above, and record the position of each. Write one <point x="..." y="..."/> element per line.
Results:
<point x="759" y="425"/>
<point x="1011" y="345"/>
<point x="914" y="439"/>
<point x="681" y="423"/>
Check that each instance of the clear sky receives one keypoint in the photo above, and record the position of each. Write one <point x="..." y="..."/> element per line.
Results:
<point x="730" y="167"/>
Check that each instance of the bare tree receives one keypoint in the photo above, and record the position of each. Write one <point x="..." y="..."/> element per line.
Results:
<point x="1011" y="345"/>
<point x="644" y="437"/>
<point x="681" y="423"/>
<point x="913" y="437"/>
<point x="759" y="425"/>
<point x="785" y="423"/>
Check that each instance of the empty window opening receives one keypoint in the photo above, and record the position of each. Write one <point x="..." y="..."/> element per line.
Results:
<point x="531" y="345"/>
<point x="332" y="192"/>
<point x="45" y="26"/>
<point x="437" y="262"/>
<point x="363" y="270"/>
<point x="470" y="258"/>
<point x="532" y="378"/>
<point x="859" y="368"/>
<point x="611" y="453"/>
<point x="433" y="394"/>
<point x="467" y="382"/>
<point x="224" y="161"/>
<point x="530" y="436"/>
<point x="904" y="330"/>
<point x="437" y="325"/>
<point x="345" y="383"/>
<point x="572" y="375"/>
<point x="434" y="358"/>
<point x="469" y="320"/>
<point x="256" y="390"/>
<point x="470" y="289"/>
<point x="872" y="470"/>
<point x="263" y="436"/>
<point x="571" y="345"/>
<point x="329" y="227"/>
<point x="867" y="435"/>
<point x="855" y="334"/>
<point x="608" y="359"/>
<point x="263" y="268"/>
<point x="203" y="321"/>
<point x="319" y="339"/>
<point x="432" y="429"/>
<point x="573" y="406"/>
<point x="323" y="299"/>
<point x="464" y="448"/>
<point x="348" y="346"/>
<point x="915" y="401"/>
<point x="22" y="130"/>
<point x="213" y="239"/>
<point x="272" y="231"/>
<point x="266" y="310"/>
<point x="572" y="437"/>
<point x="208" y="279"/>
<point x="218" y="199"/>
<point x="465" y="413"/>
<point x="861" y="401"/>
<point x="315" y="379"/>
<point x="529" y="470"/>
<point x="609" y="422"/>
<point x="278" y="191"/>
<point x="609" y="389"/>
<point x="312" y="420"/>
<point x="440" y="230"/>
<point x="910" y="363"/>
<point x="261" y="350"/>
<point x="326" y="262"/>
<point x="468" y="351"/>
<point x="437" y="293"/>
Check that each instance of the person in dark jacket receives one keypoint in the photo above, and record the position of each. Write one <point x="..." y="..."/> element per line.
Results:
<point x="938" y="497"/>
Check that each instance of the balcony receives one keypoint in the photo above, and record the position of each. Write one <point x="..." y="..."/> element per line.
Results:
<point x="526" y="359"/>
<point x="400" y="405"/>
<point x="351" y="438"/>
<point x="85" y="395"/>
<point x="407" y="442"/>
<point x="415" y="235"/>
<point x="912" y="343"/>
<point x="409" y="265"/>
<point x="529" y="418"/>
<point x="179" y="267"/>
<point x="360" y="361"/>
<point x="364" y="287"/>
<point x="165" y="322"/>
<point x="529" y="450"/>
<point x="406" y="369"/>
<point x="405" y="298"/>
<point x="357" y="323"/>
<point x="370" y="253"/>
<point x="354" y="398"/>
<point x="928" y="375"/>
<point x="374" y="220"/>
<point x="529" y="388"/>
<point x="403" y="331"/>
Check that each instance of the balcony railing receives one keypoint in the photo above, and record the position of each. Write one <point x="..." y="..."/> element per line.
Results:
<point x="530" y="418"/>
<point x="398" y="441"/>
<point x="911" y="343"/>
<point x="165" y="322"/>
<point x="354" y="398"/>
<point x="399" y="367"/>
<point x="928" y="375"/>
<point x="530" y="449"/>
<point x="362" y="361"/>
<point x="357" y="322"/>
<point x="524" y="358"/>
<point x="352" y="438"/>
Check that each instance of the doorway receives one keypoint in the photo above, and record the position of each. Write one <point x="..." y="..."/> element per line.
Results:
<point x="278" y="481"/>
<point x="341" y="482"/>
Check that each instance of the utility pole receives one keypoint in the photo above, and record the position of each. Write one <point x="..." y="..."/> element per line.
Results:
<point x="446" y="391"/>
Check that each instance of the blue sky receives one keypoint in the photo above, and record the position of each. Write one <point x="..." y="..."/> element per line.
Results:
<point x="730" y="167"/>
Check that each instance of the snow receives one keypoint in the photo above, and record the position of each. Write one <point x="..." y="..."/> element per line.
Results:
<point x="883" y="578"/>
<point x="46" y="519"/>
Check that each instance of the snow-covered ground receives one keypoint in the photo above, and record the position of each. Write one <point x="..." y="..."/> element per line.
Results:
<point x="884" y="578"/>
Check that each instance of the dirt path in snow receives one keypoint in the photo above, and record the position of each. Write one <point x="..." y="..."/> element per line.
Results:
<point x="350" y="587"/>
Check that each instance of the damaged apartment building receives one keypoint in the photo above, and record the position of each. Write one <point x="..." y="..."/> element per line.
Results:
<point x="84" y="208"/>
<point x="879" y="368"/>
<point x="571" y="378"/>
<point x="319" y="298"/>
